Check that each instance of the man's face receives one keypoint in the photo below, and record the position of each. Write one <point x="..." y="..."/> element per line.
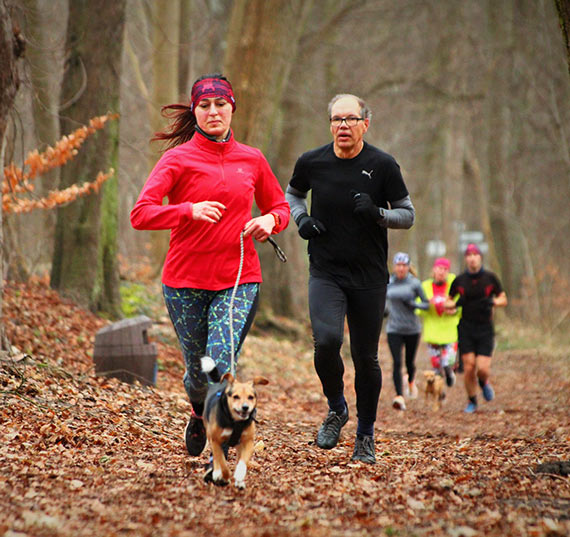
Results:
<point x="348" y="140"/>
<point x="473" y="262"/>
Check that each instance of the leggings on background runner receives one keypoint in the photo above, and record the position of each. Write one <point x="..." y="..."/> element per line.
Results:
<point x="202" y="323"/>
<point x="396" y="342"/>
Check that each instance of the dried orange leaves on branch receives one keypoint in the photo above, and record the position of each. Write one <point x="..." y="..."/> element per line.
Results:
<point x="18" y="181"/>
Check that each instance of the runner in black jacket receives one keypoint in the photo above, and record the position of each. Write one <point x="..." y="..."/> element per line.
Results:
<point x="477" y="291"/>
<point x="357" y="192"/>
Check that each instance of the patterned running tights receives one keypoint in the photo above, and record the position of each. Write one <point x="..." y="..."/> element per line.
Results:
<point x="201" y="320"/>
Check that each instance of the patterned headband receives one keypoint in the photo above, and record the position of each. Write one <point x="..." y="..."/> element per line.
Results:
<point x="402" y="257"/>
<point x="212" y="87"/>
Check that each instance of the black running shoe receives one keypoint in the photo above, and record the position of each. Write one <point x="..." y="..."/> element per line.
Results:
<point x="329" y="433"/>
<point x="364" y="449"/>
<point x="195" y="436"/>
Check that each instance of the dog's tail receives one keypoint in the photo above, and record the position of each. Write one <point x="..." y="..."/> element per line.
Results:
<point x="209" y="367"/>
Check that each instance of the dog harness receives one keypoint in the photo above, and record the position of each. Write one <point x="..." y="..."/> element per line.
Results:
<point x="224" y="418"/>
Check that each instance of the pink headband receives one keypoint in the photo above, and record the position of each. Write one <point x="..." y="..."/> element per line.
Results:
<point x="212" y="88"/>
<point x="442" y="262"/>
<point x="472" y="249"/>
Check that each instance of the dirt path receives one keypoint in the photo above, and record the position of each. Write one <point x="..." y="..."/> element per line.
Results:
<point x="84" y="456"/>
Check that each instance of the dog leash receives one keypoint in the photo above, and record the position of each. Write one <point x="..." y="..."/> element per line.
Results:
<point x="281" y="256"/>
<point x="232" y="357"/>
<point x="278" y="252"/>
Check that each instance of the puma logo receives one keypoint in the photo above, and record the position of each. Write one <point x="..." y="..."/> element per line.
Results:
<point x="364" y="172"/>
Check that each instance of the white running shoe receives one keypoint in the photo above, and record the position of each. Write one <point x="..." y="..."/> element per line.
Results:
<point x="398" y="403"/>
<point x="413" y="389"/>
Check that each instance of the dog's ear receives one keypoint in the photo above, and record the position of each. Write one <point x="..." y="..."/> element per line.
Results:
<point x="229" y="377"/>
<point x="259" y="380"/>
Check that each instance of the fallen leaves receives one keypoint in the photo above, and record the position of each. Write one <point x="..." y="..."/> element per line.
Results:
<point x="83" y="455"/>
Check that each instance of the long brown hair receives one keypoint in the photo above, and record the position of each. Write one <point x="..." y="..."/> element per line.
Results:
<point x="183" y="126"/>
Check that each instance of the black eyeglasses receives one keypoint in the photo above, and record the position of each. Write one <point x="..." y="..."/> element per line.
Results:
<point x="350" y="121"/>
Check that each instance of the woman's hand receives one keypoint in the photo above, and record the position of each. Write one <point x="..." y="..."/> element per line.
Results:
<point x="438" y="302"/>
<point x="208" y="211"/>
<point x="450" y="306"/>
<point x="260" y="227"/>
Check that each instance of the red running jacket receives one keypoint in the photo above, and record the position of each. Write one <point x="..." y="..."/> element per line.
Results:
<point x="203" y="255"/>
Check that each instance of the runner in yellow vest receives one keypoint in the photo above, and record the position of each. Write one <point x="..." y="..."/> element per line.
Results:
<point x="439" y="327"/>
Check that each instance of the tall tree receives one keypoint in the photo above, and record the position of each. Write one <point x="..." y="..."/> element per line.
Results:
<point x="498" y="116"/>
<point x="43" y="25"/>
<point x="85" y="263"/>
<point x="43" y="55"/>
<point x="262" y="44"/>
<point x="165" y="56"/>
<point x="563" y="8"/>
<point x="11" y="47"/>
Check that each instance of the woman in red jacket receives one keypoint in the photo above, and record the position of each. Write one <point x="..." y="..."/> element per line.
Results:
<point x="210" y="181"/>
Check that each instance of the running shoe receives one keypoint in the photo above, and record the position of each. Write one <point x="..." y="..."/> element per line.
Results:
<point x="195" y="435"/>
<point x="329" y="432"/>
<point x="398" y="403"/>
<point x="413" y="390"/>
<point x="488" y="392"/>
<point x="470" y="408"/>
<point x="364" y="449"/>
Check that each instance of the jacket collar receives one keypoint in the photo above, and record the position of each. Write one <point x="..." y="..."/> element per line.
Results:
<point x="204" y="143"/>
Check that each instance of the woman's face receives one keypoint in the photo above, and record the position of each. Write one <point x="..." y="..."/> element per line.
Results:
<point x="401" y="270"/>
<point x="440" y="273"/>
<point x="214" y="116"/>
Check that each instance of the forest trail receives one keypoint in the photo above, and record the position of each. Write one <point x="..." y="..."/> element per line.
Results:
<point x="87" y="456"/>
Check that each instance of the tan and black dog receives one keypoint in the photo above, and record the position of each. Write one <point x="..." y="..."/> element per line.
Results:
<point x="229" y="419"/>
<point x="434" y="388"/>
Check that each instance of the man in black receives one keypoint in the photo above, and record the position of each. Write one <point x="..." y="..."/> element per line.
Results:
<point x="357" y="192"/>
<point x="477" y="291"/>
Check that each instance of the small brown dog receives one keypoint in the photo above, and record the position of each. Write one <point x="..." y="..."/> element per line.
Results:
<point x="434" y="388"/>
<point x="229" y="419"/>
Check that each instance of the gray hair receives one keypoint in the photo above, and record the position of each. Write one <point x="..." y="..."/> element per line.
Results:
<point x="365" y="111"/>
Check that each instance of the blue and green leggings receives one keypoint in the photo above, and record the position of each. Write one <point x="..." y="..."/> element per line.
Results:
<point x="201" y="321"/>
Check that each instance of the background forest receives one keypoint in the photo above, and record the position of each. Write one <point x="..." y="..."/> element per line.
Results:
<point x="470" y="97"/>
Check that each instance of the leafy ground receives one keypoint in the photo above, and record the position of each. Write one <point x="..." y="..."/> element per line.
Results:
<point x="88" y="456"/>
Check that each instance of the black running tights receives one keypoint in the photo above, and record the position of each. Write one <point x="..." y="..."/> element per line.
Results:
<point x="329" y="304"/>
<point x="396" y="342"/>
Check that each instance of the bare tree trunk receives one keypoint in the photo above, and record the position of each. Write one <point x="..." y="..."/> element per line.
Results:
<point x="563" y="9"/>
<point x="11" y="47"/>
<point x="45" y="60"/>
<point x="262" y="45"/>
<point x="184" y="48"/>
<point x="473" y="176"/>
<point x="85" y="265"/>
<point x="43" y="23"/>
<point x="499" y="136"/>
<point x="166" y="29"/>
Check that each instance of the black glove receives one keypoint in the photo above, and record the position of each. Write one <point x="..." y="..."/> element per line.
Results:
<point x="310" y="227"/>
<point x="364" y="206"/>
